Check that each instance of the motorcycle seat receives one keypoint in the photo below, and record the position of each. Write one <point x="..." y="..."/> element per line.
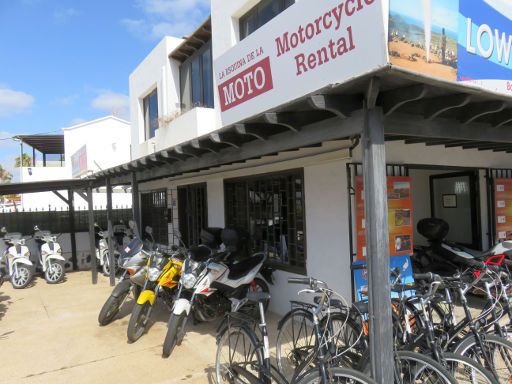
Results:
<point x="200" y="253"/>
<point x="242" y="268"/>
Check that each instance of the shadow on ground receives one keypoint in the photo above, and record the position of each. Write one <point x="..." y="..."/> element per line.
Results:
<point x="5" y="301"/>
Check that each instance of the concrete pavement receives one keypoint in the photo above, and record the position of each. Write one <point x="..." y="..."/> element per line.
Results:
<point x="50" y="334"/>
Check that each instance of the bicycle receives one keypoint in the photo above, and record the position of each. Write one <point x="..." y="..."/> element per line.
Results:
<point x="248" y="355"/>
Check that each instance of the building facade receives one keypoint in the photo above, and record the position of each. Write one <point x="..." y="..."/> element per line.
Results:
<point x="259" y="73"/>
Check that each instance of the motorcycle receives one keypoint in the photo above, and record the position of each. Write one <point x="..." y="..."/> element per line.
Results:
<point x="162" y="276"/>
<point x="133" y="258"/>
<point x="20" y="269"/>
<point x="209" y="286"/>
<point x="50" y="256"/>
<point x="446" y="258"/>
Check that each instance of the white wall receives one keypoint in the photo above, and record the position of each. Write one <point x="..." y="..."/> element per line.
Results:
<point x="155" y="71"/>
<point x="107" y="141"/>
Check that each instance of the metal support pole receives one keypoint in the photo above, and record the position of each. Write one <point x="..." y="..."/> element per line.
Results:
<point x="44" y="159"/>
<point x="72" y="233"/>
<point x="92" y="239"/>
<point x="136" y="204"/>
<point x="377" y="243"/>
<point x="110" y="234"/>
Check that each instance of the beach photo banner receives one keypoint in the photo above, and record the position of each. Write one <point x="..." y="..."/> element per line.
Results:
<point x="467" y="41"/>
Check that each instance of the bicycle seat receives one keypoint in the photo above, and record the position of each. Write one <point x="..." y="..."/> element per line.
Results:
<point x="257" y="297"/>
<point x="362" y="306"/>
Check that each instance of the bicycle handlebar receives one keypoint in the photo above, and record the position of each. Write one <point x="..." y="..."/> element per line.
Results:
<point x="301" y="280"/>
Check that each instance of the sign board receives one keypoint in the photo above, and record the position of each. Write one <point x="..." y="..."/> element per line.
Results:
<point x="503" y="208"/>
<point x="79" y="162"/>
<point x="467" y="41"/>
<point x="399" y="217"/>
<point x="310" y="45"/>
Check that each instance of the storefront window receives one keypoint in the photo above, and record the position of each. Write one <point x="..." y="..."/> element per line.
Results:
<point x="150" y="108"/>
<point x="261" y="14"/>
<point x="271" y="208"/>
<point x="196" y="78"/>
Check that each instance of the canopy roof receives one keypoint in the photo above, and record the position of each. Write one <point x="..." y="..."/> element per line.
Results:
<point x="47" y="144"/>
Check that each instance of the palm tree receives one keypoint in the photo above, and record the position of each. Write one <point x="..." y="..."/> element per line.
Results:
<point x="5" y="175"/>
<point x="27" y="161"/>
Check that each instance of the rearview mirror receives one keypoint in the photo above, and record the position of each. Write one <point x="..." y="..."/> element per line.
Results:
<point x="3" y="230"/>
<point x="131" y="224"/>
<point x="149" y="230"/>
<point x="36" y="228"/>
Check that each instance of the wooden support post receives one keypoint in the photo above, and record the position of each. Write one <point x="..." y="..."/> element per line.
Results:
<point x="92" y="240"/>
<point x="110" y="234"/>
<point x="136" y="204"/>
<point x="377" y="243"/>
<point x="72" y="233"/>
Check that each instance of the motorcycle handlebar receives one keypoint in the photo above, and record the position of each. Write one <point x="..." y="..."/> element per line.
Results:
<point x="427" y="276"/>
<point x="300" y="280"/>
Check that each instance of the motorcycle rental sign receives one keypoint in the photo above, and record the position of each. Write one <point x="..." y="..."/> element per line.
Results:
<point x="309" y="46"/>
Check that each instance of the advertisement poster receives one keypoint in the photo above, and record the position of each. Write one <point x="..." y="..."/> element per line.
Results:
<point x="310" y="45"/>
<point x="457" y="40"/>
<point x="503" y="201"/>
<point x="403" y="263"/>
<point x="399" y="217"/>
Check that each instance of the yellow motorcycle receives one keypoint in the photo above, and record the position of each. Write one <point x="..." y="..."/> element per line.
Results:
<point x="163" y="274"/>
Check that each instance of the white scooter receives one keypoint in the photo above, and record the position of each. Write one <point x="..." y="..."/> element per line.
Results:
<point x="122" y="237"/>
<point x="50" y="256"/>
<point x="16" y="258"/>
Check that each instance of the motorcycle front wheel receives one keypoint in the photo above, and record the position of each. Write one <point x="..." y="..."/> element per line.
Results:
<point x="138" y="321"/>
<point x="175" y="333"/>
<point x="109" y="310"/>
<point x="23" y="276"/>
<point x="55" y="273"/>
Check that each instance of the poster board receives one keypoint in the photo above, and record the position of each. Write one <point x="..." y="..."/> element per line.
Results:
<point x="503" y="208"/>
<point x="403" y="263"/>
<point x="399" y="216"/>
<point x="465" y="41"/>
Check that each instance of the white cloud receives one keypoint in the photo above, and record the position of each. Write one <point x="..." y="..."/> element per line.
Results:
<point x="168" y="18"/>
<point x="112" y="102"/>
<point x="13" y="102"/>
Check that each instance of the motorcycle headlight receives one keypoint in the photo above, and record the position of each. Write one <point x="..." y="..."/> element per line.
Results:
<point x="153" y="274"/>
<point x="188" y="280"/>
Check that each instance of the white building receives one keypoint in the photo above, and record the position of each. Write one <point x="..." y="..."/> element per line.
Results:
<point x="81" y="151"/>
<point x="267" y="138"/>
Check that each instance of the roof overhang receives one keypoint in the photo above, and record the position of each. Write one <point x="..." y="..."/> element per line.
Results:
<point x="194" y="42"/>
<point x="415" y="108"/>
<point x="46" y="144"/>
<point x="45" y="186"/>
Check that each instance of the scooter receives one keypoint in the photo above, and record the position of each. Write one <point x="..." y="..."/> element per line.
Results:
<point x="50" y="256"/>
<point x="447" y="258"/>
<point x="209" y="287"/>
<point x="102" y="249"/>
<point x="20" y="269"/>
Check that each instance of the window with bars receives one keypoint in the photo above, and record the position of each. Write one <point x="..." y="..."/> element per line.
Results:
<point x="153" y="207"/>
<point x="192" y="212"/>
<point x="271" y="208"/>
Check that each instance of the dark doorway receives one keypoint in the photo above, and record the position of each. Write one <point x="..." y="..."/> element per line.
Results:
<point x="192" y="212"/>
<point x="153" y="206"/>
<point x="454" y="198"/>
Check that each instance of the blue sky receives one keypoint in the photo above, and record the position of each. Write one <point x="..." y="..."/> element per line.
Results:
<point x="63" y="62"/>
<point x="444" y="12"/>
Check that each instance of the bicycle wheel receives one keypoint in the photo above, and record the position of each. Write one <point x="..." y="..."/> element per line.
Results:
<point x="295" y="340"/>
<point x="415" y="368"/>
<point x="345" y="342"/>
<point x="496" y="355"/>
<point x="337" y="375"/>
<point x="467" y="371"/>
<point x="238" y="356"/>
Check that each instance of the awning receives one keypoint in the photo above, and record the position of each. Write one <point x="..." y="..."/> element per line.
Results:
<point x="46" y="144"/>
<point x="195" y="41"/>
<point x="45" y="186"/>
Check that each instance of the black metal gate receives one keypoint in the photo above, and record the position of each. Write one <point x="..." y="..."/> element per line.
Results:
<point x="153" y="206"/>
<point x="192" y="212"/>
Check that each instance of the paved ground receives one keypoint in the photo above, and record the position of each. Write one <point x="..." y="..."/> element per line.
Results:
<point x="50" y="334"/>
